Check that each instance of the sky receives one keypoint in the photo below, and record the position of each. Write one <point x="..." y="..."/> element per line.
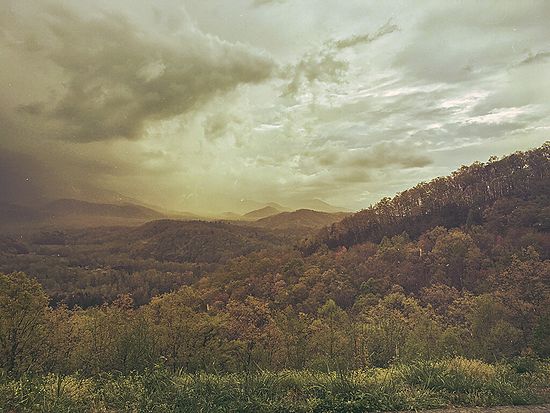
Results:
<point x="205" y="105"/>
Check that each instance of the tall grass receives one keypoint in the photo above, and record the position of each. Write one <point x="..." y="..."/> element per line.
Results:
<point x="419" y="385"/>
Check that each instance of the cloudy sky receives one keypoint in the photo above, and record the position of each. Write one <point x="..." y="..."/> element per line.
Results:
<point x="198" y="105"/>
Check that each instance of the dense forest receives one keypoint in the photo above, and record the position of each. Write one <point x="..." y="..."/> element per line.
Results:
<point x="459" y="199"/>
<point x="450" y="272"/>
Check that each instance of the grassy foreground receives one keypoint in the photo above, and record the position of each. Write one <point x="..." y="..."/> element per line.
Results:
<point x="421" y="385"/>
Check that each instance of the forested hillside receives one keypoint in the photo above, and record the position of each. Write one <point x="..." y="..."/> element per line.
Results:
<point x="88" y="267"/>
<point x="196" y="241"/>
<point x="459" y="199"/>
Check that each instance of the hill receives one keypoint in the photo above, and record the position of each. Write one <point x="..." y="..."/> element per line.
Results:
<point x="64" y="207"/>
<point x="169" y="240"/>
<point x="319" y="205"/>
<point x="461" y="198"/>
<point x="261" y="213"/>
<point x="75" y="213"/>
<point x="230" y="216"/>
<point x="196" y="241"/>
<point x="301" y="218"/>
<point x="89" y="266"/>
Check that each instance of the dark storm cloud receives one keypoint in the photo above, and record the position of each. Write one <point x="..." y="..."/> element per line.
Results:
<point x="375" y="96"/>
<point x="26" y="179"/>
<point x="117" y="76"/>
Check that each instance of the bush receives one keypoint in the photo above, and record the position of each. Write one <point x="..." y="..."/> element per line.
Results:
<point x="421" y="385"/>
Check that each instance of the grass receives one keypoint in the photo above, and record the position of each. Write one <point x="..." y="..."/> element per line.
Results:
<point x="420" y="385"/>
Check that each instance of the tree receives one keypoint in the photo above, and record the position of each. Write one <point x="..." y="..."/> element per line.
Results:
<point x="113" y="338"/>
<point x="62" y="340"/>
<point x="456" y="259"/>
<point x="23" y="306"/>
<point x="186" y="337"/>
<point x="295" y="336"/>
<point x="541" y="339"/>
<point x="252" y="325"/>
<point x="494" y="336"/>
<point x="399" y="328"/>
<point x="329" y="336"/>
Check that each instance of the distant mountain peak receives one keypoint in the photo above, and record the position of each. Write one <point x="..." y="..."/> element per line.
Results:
<point x="262" y="213"/>
<point x="69" y="206"/>
<point x="301" y="218"/>
<point x="320" y="205"/>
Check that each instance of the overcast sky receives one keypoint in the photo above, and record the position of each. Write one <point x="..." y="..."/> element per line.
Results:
<point x="197" y="105"/>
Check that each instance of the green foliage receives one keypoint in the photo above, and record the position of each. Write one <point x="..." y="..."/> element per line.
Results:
<point x="542" y="336"/>
<point x="23" y="308"/>
<point x="421" y="385"/>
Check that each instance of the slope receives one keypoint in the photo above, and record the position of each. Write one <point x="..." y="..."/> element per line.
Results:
<point x="301" y="218"/>
<point x="261" y="213"/>
<point x="445" y="201"/>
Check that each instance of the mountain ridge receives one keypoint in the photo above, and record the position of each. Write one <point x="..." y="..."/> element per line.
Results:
<point x="300" y="218"/>
<point x="448" y="201"/>
<point x="264" y="212"/>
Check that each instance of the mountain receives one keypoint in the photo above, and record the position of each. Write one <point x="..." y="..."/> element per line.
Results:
<point x="301" y="218"/>
<point x="75" y="213"/>
<point x="273" y="208"/>
<point x="64" y="207"/>
<point x="247" y="205"/>
<point x="319" y="205"/>
<point x="279" y="206"/>
<point x="264" y="212"/>
<point x="459" y="199"/>
<point x="230" y="216"/>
